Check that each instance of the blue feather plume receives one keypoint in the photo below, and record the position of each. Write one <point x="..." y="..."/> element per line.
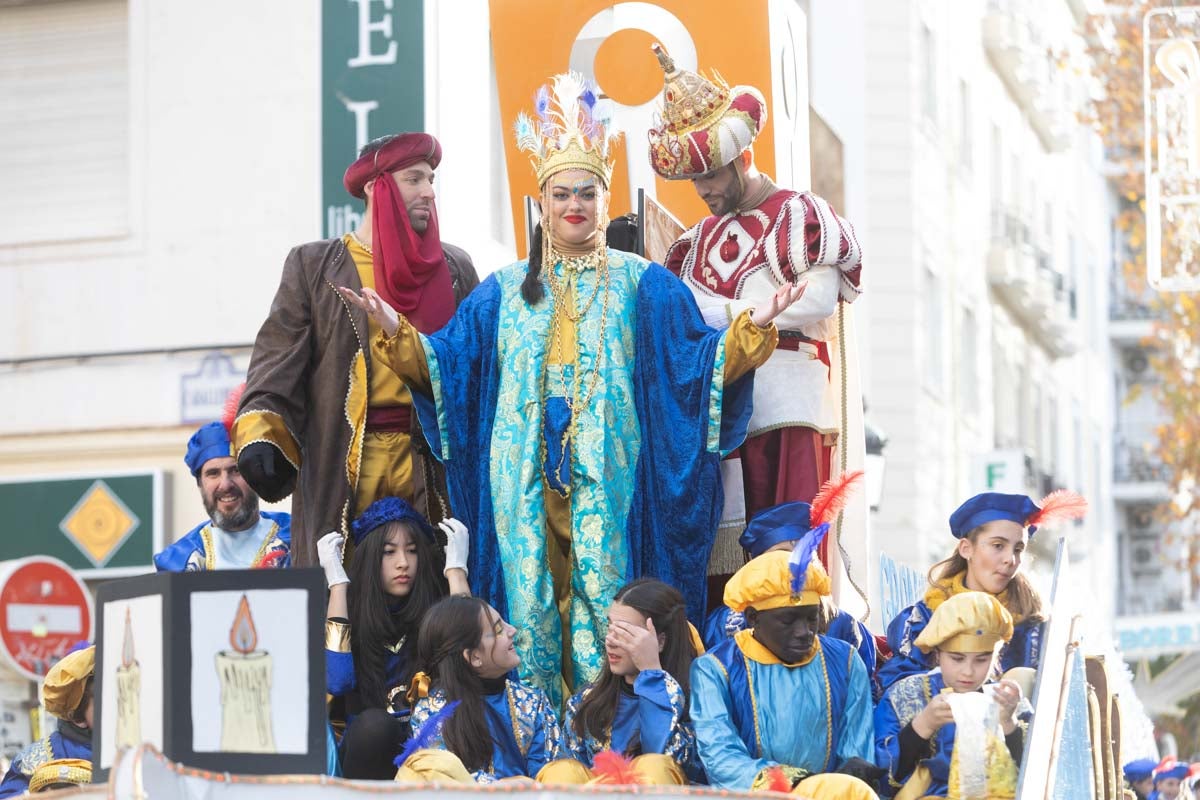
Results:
<point x="802" y="555"/>
<point x="428" y="731"/>
<point x="589" y="98"/>
<point x="541" y="101"/>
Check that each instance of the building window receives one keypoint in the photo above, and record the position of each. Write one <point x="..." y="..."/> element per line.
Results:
<point x="928" y="74"/>
<point x="934" y="341"/>
<point x="64" y="77"/>
<point x="967" y="371"/>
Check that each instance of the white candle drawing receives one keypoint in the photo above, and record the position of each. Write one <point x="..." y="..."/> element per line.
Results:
<point x="129" y="692"/>
<point x="245" y="676"/>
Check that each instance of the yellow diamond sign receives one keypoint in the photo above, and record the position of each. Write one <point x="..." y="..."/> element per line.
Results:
<point x="99" y="523"/>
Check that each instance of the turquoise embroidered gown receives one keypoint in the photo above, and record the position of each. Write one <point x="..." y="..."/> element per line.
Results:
<point x="644" y="471"/>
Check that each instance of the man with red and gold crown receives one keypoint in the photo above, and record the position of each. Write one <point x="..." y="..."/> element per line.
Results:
<point x="316" y="389"/>
<point x="759" y="237"/>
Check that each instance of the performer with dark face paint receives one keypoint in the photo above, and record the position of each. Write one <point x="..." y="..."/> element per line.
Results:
<point x="781" y="706"/>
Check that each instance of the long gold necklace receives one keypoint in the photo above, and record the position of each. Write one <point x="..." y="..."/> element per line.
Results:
<point x="564" y="297"/>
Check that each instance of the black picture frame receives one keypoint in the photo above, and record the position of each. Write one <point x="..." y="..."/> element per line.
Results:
<point x="178" y="723"/>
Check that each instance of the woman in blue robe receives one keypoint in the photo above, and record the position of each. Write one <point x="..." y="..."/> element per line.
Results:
<point x="992" y="530"/>
<point x="498" y="727"/>
<point x="397" y="572"/>
<point x="580" y="407"/>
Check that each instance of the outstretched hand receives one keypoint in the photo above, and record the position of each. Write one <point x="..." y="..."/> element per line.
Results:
<point x="376" y="307"/>
<point x="784" y="297"/>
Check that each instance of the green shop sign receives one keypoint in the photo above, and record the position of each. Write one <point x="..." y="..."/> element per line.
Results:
<point x="100" y="525"/>
<point x="372" y="84"/>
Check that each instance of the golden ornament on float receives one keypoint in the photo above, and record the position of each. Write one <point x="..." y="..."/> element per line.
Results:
<point x="245" y="676"/>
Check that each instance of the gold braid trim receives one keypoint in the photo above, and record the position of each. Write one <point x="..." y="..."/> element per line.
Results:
<point x="260" y="425"/>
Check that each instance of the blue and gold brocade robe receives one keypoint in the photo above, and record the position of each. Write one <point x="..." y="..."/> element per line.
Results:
<point x="190" y="553"/>
<point x="653" y="719"/>
<point x="644" y="471"/>
<point x="524" y="727"/>
<point x="900" y="703"/>
<point x="752" y="711"/>
<point x="54" y="746"/>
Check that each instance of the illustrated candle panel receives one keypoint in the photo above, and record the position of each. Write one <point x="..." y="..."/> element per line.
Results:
<point x="132" y="671"/>
<point x="249" y="660"/>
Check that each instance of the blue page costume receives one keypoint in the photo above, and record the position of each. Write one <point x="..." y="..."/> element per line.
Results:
<point x="1024" y="648"/>
<point x="784" y="524"/>
<point x="63" y="692"/>
<point x="524" y="727"/>
<point x="195" y="551"/>
<point x="754" y="712"/>
<point x="267" y="544"/>
<point x="970" y="623"/>
<point x="651" y="718"/>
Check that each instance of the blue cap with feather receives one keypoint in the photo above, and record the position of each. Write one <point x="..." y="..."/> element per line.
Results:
<point x="1140" y="769"/>
<point x="209" y="442"/>
<point x="785" y="522"/>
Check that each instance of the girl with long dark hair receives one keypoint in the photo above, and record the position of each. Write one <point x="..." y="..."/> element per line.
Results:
<point x="397" y="572"/>
<point x="638" y="706"/>
<point x="500" y="728"/>
<point x="992" y="530"/>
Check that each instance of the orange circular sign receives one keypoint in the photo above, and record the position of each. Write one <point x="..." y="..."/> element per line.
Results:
<point x="626" y="69"/>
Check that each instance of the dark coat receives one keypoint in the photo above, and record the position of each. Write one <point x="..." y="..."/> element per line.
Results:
<point x="308" y="382"/>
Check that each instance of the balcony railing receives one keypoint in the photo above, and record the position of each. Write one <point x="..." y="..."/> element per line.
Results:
<point x="1025" y="279"/>
<point x="1137" y="465"/>
<point x="1015" y="45"/>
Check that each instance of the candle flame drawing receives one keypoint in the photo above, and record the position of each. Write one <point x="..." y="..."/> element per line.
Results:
<point x="246" y="675"/>
<point x="242" y="636"/>
<point x="127" y="653"/>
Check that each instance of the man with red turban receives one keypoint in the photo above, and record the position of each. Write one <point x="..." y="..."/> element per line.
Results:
<point x="316" y="391"/>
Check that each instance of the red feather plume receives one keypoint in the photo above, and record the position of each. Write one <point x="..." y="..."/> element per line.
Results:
<point x="832" y="498"/>
<point x="777" y="781"/>
<point x="231" y="407"/>
<point x="614" y="769"/>
<point x="1056" y="506"/>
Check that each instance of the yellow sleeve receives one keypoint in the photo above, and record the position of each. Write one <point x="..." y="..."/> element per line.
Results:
<point x="405" y="354"/>
<point x="747" y="346"/>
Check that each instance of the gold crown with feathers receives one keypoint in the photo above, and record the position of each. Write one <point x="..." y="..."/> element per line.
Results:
<point x="568" y="132"/>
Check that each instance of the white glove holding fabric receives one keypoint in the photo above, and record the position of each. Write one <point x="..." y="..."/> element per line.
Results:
<point x="329" y="553"/>
<point x="458" y="544"/>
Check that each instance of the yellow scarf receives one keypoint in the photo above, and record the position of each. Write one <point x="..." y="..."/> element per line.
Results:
<point x="755" y="650"/>
<point x="943" y="590"/>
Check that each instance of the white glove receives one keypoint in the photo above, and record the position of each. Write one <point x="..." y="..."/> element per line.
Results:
<point x="329" y="552"/>
<point x="458" y="544"/>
